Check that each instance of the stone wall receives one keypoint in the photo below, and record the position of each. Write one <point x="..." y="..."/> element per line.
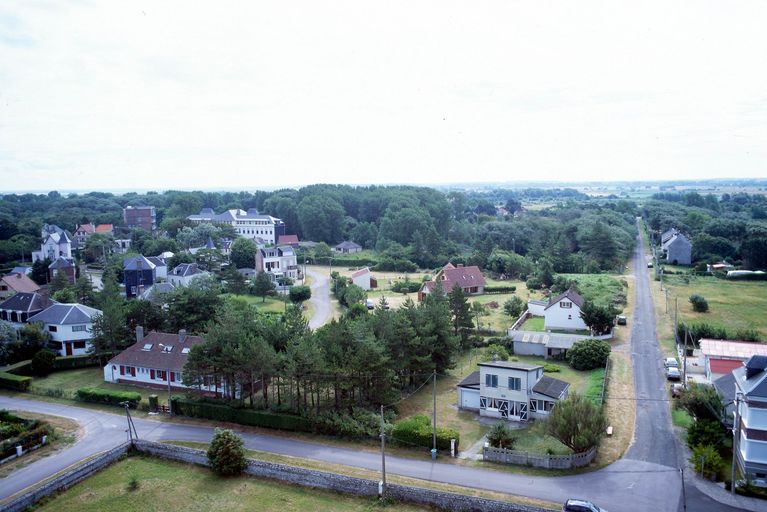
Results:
<point x="65" y="480"/>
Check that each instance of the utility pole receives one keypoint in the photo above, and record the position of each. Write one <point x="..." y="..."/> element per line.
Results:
<point x="676" y="319"/>
<point x="383" y="455"/>
<point x="684" y="365"/>
<point x="434" y="416"/>
<point x="666" y="290"/>
<point x="735" y="443"/>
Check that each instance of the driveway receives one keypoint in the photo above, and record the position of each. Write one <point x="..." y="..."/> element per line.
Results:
<point x="320" y="300"/>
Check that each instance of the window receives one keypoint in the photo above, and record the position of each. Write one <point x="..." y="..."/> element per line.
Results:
<point x="78" y="328"/>
<point x="133" y="290"/>
<point x="515" y="383"/>
<point x="565" y="304"/>
<point x="52" y="328"/>
<point x="167" y="348"/>
<point x="491" y="380"/>
<point x="185" y="350"/>
<point x="147" y="347"/>
<point x="79" y="344"/>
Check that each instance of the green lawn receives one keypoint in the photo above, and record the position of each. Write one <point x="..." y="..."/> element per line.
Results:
<point x="680" y="418"/>
<point x="732" y="304"/>
<point x="270" y="305"/>
<point x="166" y="485"/>
<point x="535" y="440"/>
<point x="601" y="289"/>
<point x="70" y="381"/>
<point x="534" y="323"/>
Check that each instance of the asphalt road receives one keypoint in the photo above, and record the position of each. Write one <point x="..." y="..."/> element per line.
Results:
<point x="320" y="298"/>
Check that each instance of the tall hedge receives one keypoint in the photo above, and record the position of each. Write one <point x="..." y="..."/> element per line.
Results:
<point x="250" y="417"/>
<point x="418" y="431"/>
<point x="103" y="396"/>
<point x="72" y="362"/>
<point x="14" y="382"/>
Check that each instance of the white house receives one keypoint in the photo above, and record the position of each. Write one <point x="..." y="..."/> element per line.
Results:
<point x="364" y="279"/>
<point x="56" y="244"/>
<point x="751" y="430"/>
<point x="20" y="307"/>
<point x="184" y="274"/>
<point x="155" y="361"/>
<point x="511" y="391"/>
<point x="70" y="327"/>
<point x="537" y="307"/>
<point x="160" y="268"/>
<point x="564" y="313"/>
<point x="278" y="262"/>
<point x="249" y="224"/>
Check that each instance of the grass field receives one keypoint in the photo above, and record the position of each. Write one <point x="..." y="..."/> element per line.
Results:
<point x="270" y="305"/>
<point x="601" y="289"/>
<point x="166" y="485"/>
<point x="680" y="418"/>
<point x="71" y="380"/>
<point x="534" y="323"/>
<point x="734" y="305"/>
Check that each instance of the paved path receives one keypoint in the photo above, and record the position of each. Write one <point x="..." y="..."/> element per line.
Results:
<point x="320" y="298"/>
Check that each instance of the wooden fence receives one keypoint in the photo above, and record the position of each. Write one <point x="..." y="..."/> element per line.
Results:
<point x="576" y="460"/>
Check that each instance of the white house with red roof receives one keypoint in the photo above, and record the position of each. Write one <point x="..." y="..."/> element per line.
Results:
<point x="470" y="279"/>
<point x="364" y="279"/>
<point x="564" y="312"/>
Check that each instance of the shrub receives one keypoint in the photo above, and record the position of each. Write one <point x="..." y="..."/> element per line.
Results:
<point x="133" y="484"/>
<point x="551" y="368"/>
<point x="72" y="362"/>
<point x="501" y="436"/>
<point x="361" y="423"/>
<point x="417" y="431"/>
<point x="15" y="382"/>
<point x="701" y="402"/>
<point x="153" y="402"/>
<point x="534" y="283"/>
<point x="514" y="307"/>
<point x="198" y="409"/>
<point x="300" y="294"/>
<point x="500" y="289"/>
<point x="577" y="423"/>
<point x="706" y="460"/>
<point x="588" y="354"/>
<point x="498" y="351"/>
<point x="103" y="396"/>
<point x="226" y="454"/>
<point x="406" y="286"/>
<point x="704" y="432"/>
<point x="43" y="363"/>
<point x="699" y="304"/>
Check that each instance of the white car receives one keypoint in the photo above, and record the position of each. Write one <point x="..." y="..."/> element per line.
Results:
<point x="671" y="362"/>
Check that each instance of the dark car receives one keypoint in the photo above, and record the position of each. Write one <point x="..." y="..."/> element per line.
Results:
<point x="580" y="506"/>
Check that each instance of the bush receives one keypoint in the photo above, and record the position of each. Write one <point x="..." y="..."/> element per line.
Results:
<point x="701" y="402"/>
<point x="153" y="402"/>
<point x="534" y="283"/>
<point x="514" y="307"/>
<point x="704" y="432"/>
<point x="73" y="362"/>
<point x="417" y="431"/>
<point x="498" y="351"/>
<point x="103" y="396"/>
<point x="707" y="460"/>
<point x="699" y="304"/>
<point x="43" y="363"/>
<point x="501" y="436"/>
<point x="226" y="453"/>
<point x="197" y="409"/>
<point x="14" y="382"/>
<point x="551" y="368"/>
<point x="406" y="286"/>
<point x="361" y="423"/>
<point x="500" y="289"/>
<point x="588" y="354"/>
<point x="299" y="294"/>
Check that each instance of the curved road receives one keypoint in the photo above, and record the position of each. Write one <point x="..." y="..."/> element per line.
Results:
<point x="647" y="478"/>
<point x="320" y="298"/>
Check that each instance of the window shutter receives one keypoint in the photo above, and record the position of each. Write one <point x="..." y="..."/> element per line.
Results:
<point x="133" y="371"/>
<point x="151" y="374"/>
<point x="122" y="370"/>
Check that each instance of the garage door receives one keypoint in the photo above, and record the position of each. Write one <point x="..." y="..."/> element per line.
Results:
<point x="470" y="398"/>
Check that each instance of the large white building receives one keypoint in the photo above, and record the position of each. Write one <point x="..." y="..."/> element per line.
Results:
<point x="249" y="224"/>
<point x="56" y="244"/>
<point x="510" y="391"/>
<point x="751" y="429"/>
<point x="70" y="327"/>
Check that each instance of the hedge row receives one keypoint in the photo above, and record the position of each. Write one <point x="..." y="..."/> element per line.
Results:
<point x="73" y="362"/>
<point x="500" y="289"/>
<point x="418" y="431"/>
<point x="26" y="440"/>
<point x="406" y="286"/>
<point x="346" y="262"/>
<point x="103" y="396"/>
<point x="241" y="416"/>
<point x="14" y="382"/>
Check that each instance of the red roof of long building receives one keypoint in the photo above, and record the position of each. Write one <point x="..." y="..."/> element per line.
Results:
<point x="449" y="276"/>
<point x="724" y="366"/>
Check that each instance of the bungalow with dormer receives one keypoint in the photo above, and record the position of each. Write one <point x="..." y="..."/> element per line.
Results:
<point x="564" y="312"/>
<point x="21" y="306"/>
<point x="511" y="391"/>
<point x="470" y="279"/>
<point x="184" y="274"/>
<point x="11" y="284"/>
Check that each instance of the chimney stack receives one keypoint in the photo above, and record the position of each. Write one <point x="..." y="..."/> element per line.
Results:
<point x="182" y="335"/>
<point x="139" y="334"/>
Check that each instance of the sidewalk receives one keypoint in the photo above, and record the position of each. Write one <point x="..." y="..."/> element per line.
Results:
<point x="716" y="491"/>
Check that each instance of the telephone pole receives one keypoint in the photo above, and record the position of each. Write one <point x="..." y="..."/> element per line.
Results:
<point x="383" y="455"/>
<point x="434" y="416"/>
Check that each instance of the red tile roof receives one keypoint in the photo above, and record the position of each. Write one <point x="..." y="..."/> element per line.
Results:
<point x="287" y="239"/>
<point x="86" y="228"/>
<point x="104" y="228"/>
<point x="361" y="272"/>
<point x="449" y="276"/>
<point x="724" y="366"/>
<point x="19" y="282"/>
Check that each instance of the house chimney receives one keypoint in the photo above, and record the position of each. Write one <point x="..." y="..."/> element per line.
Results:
<point x="182" y="335"/>
<point x="139" y="334"/>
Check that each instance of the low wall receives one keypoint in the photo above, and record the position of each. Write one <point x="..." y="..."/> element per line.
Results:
<point x="63" y="481"/>
<point x="340" y="483"/>
<point x="504" y="456"/>
<point x="524" y="316"/>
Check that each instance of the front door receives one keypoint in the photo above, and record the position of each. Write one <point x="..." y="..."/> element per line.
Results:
<point x="69" y="348"/>
<point x="522" y="411"/>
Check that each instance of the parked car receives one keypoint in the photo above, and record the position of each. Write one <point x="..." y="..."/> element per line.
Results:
<point x="370" y="304"/>
<point x="673" y="373"/>
<point x="621" y="319"/>
<point x="676" y="390"/>
<point x="671" y="362"/>
<point x="649" y="264"/>
<point x="580" y="506"/>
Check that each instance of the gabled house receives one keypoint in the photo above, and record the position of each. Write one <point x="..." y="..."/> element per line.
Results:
<point x="70" y="327"/>
<point x="138" y="275"/>
<point x="21" y="306"/>
<point x="278" y="262"/>
<point x="470" y="279"/>
<point x="184" y="274"/>
<point x="83" y="231"/>
<point x="105" y="229"/>
<point x="751" y="428"/>
<point x="155" y="361"/>
<point x="291" y="240"/>
<point x="364" y="279"/>
<point x="56" y="243"/>
<point x="511" y="391"/>
<point x="157" y="292"/>
<point x="347" y="247"/>
<point x="564" y="312"/>
<point x="11" y="284"/>
<point x="65" y="266"/>
<point x="160" y="268"/>
<point x="678" y="249"/>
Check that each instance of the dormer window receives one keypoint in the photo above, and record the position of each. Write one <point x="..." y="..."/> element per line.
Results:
<point x="147" y="347"/>
<point x="167" y="349"/>
<point x="185" y="350"/>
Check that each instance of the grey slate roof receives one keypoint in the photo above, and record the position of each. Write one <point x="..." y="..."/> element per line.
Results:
<point x="155" y="357"/>
<point x="348" y="244"/>
<point x="752" y="383"/>
<point x="66" y="314"/>
<point x="548" y="339"/>
<point x="550" y="386"/>
<point x="157" y="261"/>
<point x="156" y="290"/>
<point x="26" y="302"/>
<point x="186" y="270"/>
<point x="472" y="381"/>
<point x="571" y="294"/>
<point x="511" y="364"/>
<point x="137" y="263"/>
<point x="61" y="262"/>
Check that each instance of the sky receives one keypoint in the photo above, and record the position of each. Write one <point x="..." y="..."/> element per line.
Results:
<point x="98" y="95"/>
